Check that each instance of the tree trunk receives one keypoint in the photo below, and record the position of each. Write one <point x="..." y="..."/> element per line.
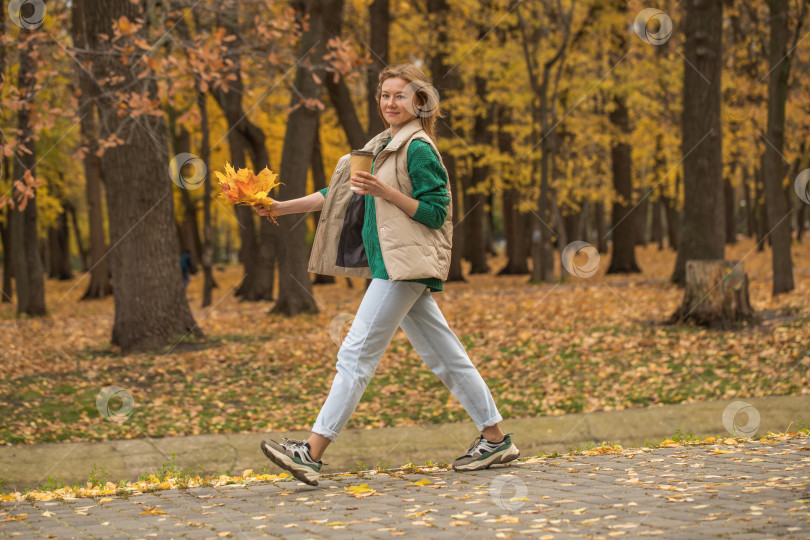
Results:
<point x="77" y="235"/>
<point x="380" y="20"/>
<point x="716" y="295"/>
<point x="731" y="222"/>
<point x="774" y="169"/>
<point x="514" y="230"/>
<point x="623" y="257"/>
<point x="599" y="225"/>
<point x="761" y="214"/>
<point x="672" y="215"/>
<point x="245" y="136"/>
<point x="542" y="252"/>
<point x="8" y="272"/>
<point x="562" y="233"/>
<point x="151" y="310"/>
<point x="703" y="226"/>
<point x="657" y="213"/>
<point x="100" y="284"/>
<point x="490" y="223"/>
<point x="657" y="224"/>
<point x="474" y="220"/>
<point x="59" y="246"/>
<point x="4" y="165"/>
<point x="341" y="100"/>
<point x="446" y="82"/>
<point x="295" y="288"/>
<point x="571" y="224"/>
<point x="187" y="227"/>
<point x="750" y="219"/>
<point x="207" y="259"/>
<point x="28" y="275"/>
<point x="456" y="272"/>
<point x="641" y="211"/>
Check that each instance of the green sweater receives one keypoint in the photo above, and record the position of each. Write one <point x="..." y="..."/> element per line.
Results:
<point x="429" y="183"/>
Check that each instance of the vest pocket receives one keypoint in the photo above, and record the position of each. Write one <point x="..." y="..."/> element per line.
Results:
<point x="351" y="251"/>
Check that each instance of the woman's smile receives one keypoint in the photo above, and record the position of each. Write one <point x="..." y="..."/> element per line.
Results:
<point x="395" y="97"/>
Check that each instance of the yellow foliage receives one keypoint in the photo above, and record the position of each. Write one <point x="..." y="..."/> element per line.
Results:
<point x="245" y="187"/>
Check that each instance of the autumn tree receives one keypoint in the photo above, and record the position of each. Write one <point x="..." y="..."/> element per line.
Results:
<point x="446" y="81"/>
<point x="544" y="81"/>
<point x="7" y="290"/>
<point x="29" y="279"/>
<point x="702" y="231"/>
<point x="623" y="230"/>
<point x="150" y="306"/>
<point x="295" y="288"/>
<point x="379" y="21"/>
<point x="773" y="167"/>
<point x="100" y="285"/>
<point x="257" y="251"/>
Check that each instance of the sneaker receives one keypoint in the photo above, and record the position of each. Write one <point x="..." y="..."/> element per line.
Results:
<point x="483" y="453"/>
<point x="294" y="457"/>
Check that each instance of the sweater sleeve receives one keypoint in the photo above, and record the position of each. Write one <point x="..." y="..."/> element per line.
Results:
<point x="429" y="183"/>
<point x="323" y="191"/>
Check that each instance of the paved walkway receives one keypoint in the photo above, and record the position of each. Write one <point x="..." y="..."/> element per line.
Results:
<point x="743" y="490"/>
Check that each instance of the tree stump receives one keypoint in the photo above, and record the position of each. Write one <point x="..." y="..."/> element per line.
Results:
<point x="716" y="295"/>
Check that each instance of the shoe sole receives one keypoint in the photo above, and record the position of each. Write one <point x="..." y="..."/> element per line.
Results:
<point x="510" y="454"/>
<point x="284" y="461"/>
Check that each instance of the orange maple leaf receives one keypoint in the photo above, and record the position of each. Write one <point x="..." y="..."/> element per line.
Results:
<point x="245" y="187"/>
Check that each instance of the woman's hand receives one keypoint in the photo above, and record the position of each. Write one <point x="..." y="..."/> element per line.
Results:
<point x="368" y="184"/>
<point x="272" y="212"/>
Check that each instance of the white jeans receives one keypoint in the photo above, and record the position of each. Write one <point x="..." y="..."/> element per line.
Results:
<point x="386" y="306"/>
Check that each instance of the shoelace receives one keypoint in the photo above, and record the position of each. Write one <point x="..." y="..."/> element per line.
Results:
<point x="474" y="445"/>
<point x="295" y="442"/>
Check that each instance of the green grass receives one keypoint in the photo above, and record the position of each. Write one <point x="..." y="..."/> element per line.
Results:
<point x="245" y="390"/>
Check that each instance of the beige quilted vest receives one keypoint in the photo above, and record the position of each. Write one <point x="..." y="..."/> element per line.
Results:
<point x="410" y="249"/>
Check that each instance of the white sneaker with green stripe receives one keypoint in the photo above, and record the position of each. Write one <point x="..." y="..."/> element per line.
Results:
<point x="294" y="457"/>
<point x="483" y="453"/>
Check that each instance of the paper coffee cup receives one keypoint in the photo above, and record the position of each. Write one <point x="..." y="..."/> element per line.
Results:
<point x="361" y="161"/>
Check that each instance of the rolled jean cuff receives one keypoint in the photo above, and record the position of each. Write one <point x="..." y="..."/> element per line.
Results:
<point x="324" y="432"/>
<point x="491" y="422"/>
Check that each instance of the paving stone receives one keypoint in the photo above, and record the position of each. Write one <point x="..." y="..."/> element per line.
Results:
<point x="675" y="493"/>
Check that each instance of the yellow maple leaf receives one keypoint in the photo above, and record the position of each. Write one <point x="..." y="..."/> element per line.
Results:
<point x="361" y="491"/>
<point x="422" y="482"/>
<point x="152" y="512"/>
<point x="245" y="187"/>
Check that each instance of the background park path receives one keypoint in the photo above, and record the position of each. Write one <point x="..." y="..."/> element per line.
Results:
<point x="733" y="489"/>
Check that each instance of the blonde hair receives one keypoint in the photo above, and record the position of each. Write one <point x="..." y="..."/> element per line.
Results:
<point x="425" y="95"/>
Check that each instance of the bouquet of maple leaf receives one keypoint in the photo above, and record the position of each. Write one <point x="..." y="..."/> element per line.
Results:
<point x="246" y="187"/>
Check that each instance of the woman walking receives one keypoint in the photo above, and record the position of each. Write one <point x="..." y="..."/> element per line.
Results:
<point x="392" y="225"/>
